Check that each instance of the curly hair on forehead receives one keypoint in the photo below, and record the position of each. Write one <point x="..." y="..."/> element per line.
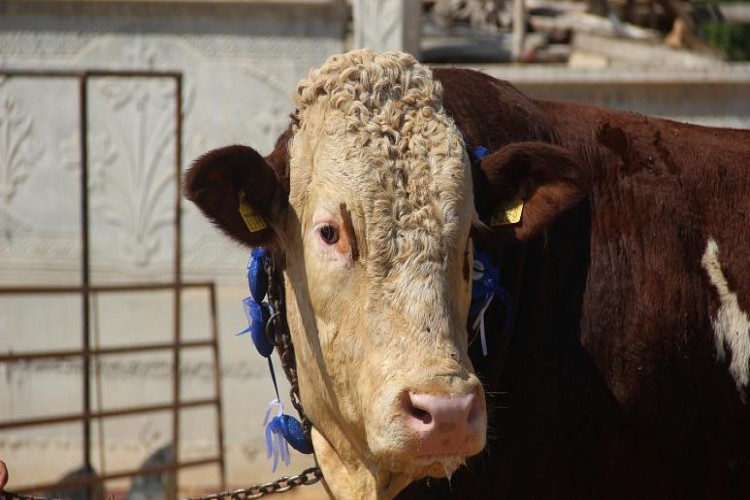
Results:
<point x="389" y="101"/>
<point x="367" y="80"/>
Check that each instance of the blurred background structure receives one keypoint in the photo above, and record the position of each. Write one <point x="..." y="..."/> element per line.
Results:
<point x="110" y="365"/>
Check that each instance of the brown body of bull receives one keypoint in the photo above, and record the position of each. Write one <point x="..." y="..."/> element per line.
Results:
<point x="625" y="371"/>
<point x="610" y="384"/>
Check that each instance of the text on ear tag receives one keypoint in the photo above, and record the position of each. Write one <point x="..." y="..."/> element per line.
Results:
<point x="253" y="221"/>
<point x="507" y="212"/>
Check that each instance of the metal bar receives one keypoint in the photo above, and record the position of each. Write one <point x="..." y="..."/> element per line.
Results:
<point x="217" y="383"/>
<point x="63" y="73"/>
<point x="135" y="287"/>
<point x="172" y="484"/>
<point x="86" y="289"/>
<point x="85" y="276"/>
<point x="104" y="73"/>
<point x="98" y="384"/>
<point x="104" y="351"/>
<point x="122" y="412"/>
<point x="39" y="290"/>
<point x="41" y="73"/>
<point x="146" y="471"/>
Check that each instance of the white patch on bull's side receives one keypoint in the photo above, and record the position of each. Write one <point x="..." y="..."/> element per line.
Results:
<point x="731" y="325"/>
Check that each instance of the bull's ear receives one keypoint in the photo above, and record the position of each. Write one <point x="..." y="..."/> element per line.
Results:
<point x="241" y="193"/>
<point x="524" y="187"/>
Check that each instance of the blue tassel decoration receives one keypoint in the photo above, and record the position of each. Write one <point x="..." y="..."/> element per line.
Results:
<point x="480" y="152"/>
<point x="276" y="445"/>
<point x="292" y="430"/>
<point x="257" y="277"/>
<point x="258" y="316"/>
<point x="282" y="430"/>
<point x="486" y="286"/>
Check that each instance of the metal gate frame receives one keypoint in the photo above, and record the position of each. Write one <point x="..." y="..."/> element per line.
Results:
<point x="87" y="291"/>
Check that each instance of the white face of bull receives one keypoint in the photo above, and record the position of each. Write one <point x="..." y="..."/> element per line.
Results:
<point x="378" y="281"/>
<point x="375" y="229"/>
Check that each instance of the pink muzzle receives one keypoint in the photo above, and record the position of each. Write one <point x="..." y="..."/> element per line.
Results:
<point x="446" y="424"/>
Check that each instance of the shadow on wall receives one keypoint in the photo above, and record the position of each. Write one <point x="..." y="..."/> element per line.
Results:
<point x="143" y="487"/>
<point x="154" y="486"/>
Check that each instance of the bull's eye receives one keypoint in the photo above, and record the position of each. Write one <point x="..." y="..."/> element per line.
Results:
<point x="328" y="234"/>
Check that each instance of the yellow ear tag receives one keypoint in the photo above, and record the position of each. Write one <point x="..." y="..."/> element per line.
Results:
<point x="507" y="212"/>
<point x="253" y="221"/>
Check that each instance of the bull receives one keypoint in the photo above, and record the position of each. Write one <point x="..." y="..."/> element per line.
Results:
<point x="625" y="369"/>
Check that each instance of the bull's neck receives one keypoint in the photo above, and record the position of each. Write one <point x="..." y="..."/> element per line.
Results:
<point x="346" y="476"/>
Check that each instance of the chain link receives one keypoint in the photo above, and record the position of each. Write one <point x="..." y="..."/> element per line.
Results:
<point x="286" y="483"/>
<point x="282" y="338"/>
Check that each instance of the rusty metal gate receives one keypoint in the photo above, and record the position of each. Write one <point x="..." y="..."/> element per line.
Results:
<point x="88" y="294"/>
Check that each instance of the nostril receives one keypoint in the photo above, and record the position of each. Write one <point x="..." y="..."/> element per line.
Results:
<point x="415" y="411"/>
<point x="421" y="414"/>
<point x="476" y="412"/>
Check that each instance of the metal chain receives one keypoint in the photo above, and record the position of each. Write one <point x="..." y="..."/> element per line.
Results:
<point x="282" y="338"/>
<point x="286" y="483"/>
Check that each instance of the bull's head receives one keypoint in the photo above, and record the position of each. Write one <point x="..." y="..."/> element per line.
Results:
<point x="369" y="195"/>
